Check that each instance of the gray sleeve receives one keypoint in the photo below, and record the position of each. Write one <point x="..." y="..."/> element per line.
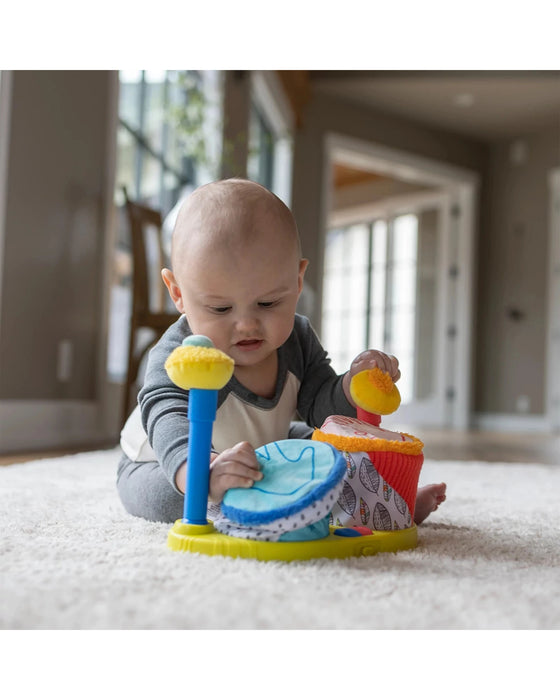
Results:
<point x="321" y="393"/>
<point x="163" y="405"/>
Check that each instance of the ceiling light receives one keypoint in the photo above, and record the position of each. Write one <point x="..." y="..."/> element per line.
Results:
<point x="464" y="99"/>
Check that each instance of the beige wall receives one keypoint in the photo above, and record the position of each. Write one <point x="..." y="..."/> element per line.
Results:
<point x="236" y="106"/>
<point x="54" y="232"/>
<point x="513" y="267"/>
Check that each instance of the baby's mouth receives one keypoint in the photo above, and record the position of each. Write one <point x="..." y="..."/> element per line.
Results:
<point x="249" y="344"/>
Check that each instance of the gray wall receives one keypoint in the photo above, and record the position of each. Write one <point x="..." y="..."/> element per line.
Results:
<point x="54" y="232"/>
<point x="513" y="267"/>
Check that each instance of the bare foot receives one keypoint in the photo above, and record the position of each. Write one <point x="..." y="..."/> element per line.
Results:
<point x="428" y="499"/>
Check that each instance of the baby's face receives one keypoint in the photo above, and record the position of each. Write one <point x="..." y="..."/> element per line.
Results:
<point x="243" y="298"/>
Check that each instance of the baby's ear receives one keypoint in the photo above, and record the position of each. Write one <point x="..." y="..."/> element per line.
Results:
<point x="303" y="263"/>
<point x="173" y="289"/>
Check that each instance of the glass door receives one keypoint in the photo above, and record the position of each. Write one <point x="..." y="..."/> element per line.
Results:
<point x="383" y="289"/>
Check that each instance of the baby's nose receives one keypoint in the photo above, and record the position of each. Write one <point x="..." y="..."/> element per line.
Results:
<point x="247" y="324"/>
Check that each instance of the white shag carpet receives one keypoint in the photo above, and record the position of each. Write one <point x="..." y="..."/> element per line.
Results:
<point x="72" y="558"/>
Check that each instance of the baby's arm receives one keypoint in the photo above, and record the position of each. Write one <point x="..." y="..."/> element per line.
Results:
<point x="367" y="360"/>
<point x="236" y="467"/>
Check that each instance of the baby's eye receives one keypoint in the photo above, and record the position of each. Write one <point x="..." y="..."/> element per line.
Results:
<point x="266" y="304"/>
<point x="220" y="309"/>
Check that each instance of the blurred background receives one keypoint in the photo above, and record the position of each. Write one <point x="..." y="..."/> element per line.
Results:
<point x="428" y="203"/>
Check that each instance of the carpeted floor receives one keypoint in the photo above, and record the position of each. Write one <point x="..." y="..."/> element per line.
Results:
<point x="72" y="558"/>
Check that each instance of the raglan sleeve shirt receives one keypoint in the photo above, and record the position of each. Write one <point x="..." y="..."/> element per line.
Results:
<point x="163" y="406"/>
<point x="320" y="394"/>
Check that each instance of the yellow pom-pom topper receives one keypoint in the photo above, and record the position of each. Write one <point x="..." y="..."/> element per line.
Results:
<point x="375" y="392"/>
<point x="198" y="365"/>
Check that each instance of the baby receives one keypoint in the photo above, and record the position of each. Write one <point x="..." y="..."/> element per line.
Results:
<point x="237" y="273"/>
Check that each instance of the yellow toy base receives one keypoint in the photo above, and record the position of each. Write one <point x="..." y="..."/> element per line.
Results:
<point x="204" y="539"/>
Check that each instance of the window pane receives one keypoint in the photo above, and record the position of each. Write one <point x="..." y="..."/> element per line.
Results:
<point x="126" y="161"/>
<point x="261" y="149"/>
<point x="345" y="294"/>
<point x="154" y="166"/>
<point x="335" y="301"/>
<point x="356" y="273"/>
<point x="356" y="246"/>
<point x="402" y="312"/>
<point x="378" y="265"/>
<point x="154" y="115"/>
<point x="151" y="180"/>
<point x="405" y="233"/>
<point x="130" y="92"/>
<point x="334" y="258"/>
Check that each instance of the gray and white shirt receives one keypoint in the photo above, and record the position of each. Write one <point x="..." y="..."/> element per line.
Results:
<point x="307" y="386"/>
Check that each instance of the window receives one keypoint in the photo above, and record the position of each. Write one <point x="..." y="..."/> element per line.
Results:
<point x="270" y="140"/>
<point x="151" y="161"/>
<point x="260" y="167"/>
<point x="161" y="129"/>
<point x="369" y="299"/>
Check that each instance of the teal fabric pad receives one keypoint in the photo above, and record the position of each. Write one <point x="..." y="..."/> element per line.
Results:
<point x="296" y="475"/>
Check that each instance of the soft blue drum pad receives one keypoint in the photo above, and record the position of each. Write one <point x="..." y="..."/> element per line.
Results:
<point x="301" y="482"/>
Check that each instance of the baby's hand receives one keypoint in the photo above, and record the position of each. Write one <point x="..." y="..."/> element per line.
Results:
<point x="236" y="467"/>
<point x="367" y="360"/>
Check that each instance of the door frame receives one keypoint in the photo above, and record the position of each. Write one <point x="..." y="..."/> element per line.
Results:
<point x="5" y="119"/>
<point x="456" y="291"/>
<point x="552" y="388"/>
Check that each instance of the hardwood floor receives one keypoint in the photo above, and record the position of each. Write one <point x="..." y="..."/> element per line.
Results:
<point x="19" y="457"/>
<point x="473" y="445"/>
<point x="485" y="446"/>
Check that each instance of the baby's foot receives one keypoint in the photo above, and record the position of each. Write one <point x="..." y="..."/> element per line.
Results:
<point x="428" y="499"/>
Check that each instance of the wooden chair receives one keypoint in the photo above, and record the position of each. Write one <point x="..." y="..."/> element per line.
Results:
<point x="146" y="312"/>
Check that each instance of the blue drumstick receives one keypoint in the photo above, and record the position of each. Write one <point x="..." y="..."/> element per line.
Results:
<point x="200" y="368"/>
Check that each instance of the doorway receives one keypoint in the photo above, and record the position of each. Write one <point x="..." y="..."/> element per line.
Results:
<point x="398" y="267"/>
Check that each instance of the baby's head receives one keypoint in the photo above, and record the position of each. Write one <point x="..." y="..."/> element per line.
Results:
<point x="235" y="214"/>
<point x="236" y="258"/>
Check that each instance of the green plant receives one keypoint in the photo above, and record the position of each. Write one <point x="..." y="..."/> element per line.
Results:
<point x="188" y="119"/>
